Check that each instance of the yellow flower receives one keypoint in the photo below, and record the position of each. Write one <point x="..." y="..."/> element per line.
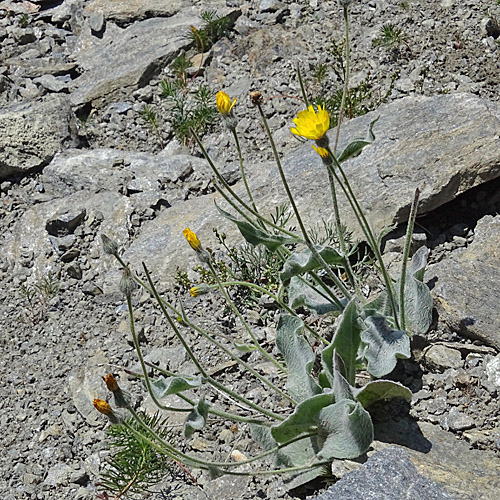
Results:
<point x="103" y="407"/>
<point x="311" y="124"/>
<point x="192" y="239"/>
<point x="224" y="104"/>
<point x="321" y="151"/>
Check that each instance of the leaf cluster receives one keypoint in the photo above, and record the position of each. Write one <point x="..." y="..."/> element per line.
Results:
<point x="134" y="466"/>
<point x="37" y="297"/>
<point x="214" y="28"/>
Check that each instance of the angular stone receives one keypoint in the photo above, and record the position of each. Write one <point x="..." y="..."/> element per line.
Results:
<point x="459" y="131"/>
<point x="387" y="475"/>
<point x="31" y="133"/>
<point x="125" y="59"/>
<point x="439" y="357"/>
<point x="467" y="474"/>
<point x="65" y="222"/>
<point x="467" y="285"/>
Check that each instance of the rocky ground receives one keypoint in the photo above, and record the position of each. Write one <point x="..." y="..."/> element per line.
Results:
<point x="74" y="76"/>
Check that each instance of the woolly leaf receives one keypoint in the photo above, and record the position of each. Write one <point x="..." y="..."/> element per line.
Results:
<point x="303" y="294"/>
<point x="163" y="386"/>
<point x="299" y="263"/>
<point x="383" y="346"/>
<point x="196" y="419"/>
<point x="257" y="236"/>
<point x="347" y="430"/>
<point x="355" y="147"/>
<point x="377" y="390"/>
<point x="299" y="357"/>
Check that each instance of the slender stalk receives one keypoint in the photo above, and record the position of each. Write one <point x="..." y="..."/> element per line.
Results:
<point x="340" y="233"/>
<point x="406" y="254"/>
<point x="231" y="191"/>
<point x="143" y="365"/>
<point x="207" y="377"/>
<point x="366" y="228"/>
<point x="243" y="322"/>
<point x="203" y="464"/>
<point x="346" y="76"/>
<point x="278" y="301"/>
<point x="308" y="241"/>
<point x="242" y="170"/>
<point x="302" y="87"/>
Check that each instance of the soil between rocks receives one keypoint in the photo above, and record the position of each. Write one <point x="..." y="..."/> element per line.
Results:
<point x="53" y="446"/>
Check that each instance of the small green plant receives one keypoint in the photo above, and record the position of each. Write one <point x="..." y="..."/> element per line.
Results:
<point x="151" y="118"/>
<point x="323" y="412"/>
<point x="134" y="465"/>
<point x="37" y="298"/>
<point x="390" y="37"/>
<point x="214" y="28"/>
<point x="190" y="109"/>
<point x="24" y="20"/>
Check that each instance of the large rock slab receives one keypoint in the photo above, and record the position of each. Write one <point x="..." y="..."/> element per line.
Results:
<point x="466" y="286"/>
<point x="123" y="11"/>
<point x="32" y="132"/>
<point x="124" y="59"/>
<point x="444" y="145"/>
<point x="465" y="473"/>
<point x="387" y="475"/>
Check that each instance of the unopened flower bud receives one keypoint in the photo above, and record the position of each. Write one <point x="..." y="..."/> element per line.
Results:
<point x="200" y="289"/>
<point x="195" y="244"/>
<point x="122" y="398"/>
<point x="109" y="246"/>
<point x="127" y="283"/>
<point x="104" y="408"/>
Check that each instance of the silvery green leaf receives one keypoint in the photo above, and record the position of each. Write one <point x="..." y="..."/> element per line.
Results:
<point x="299" y="263"/>
<point x="340" y="387"/>
<point x="303" y="418"/>
<point x="355" y="147"/>
<point x="347" y="430"/>
<point x="383" y="346"/>
<point x="164" y="386"/>
<point x="196" y="419"/>
<point x="417" y="296"/>
<point x="377" y="390"/>
<point x="244" y="347"/>
<point x="299" y="357"/>
<point x="257" y="236"/>
<point x="346" y="342"/>
<point x="300" y="453"/>
<point x="303" y="294"/>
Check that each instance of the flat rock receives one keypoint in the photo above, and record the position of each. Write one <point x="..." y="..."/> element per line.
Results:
<point x="125" y="59"/>
<point x="32" y="132"/>
<point x="467" y="285"/>
<point x="387" y="475"/>
<point x="444" y="145"/>
<point x="464" y="473"/>
<point x="123" y="11"/>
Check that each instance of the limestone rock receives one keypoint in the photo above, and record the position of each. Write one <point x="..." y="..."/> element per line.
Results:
<point x="465" y="299"/>
<point x="467" y="474"/>
<point x="31" y="133"/>
<point x="387" y="475"/>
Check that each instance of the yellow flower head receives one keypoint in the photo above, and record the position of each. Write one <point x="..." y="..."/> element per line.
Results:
<point x="111" y="383"/>
<point x="103" y="407"/>
<point x="224" y="104"/>
<point x="192" y="239"/>
<point x="199" y="290"/>
<point x="321" y="151"/>
<point x="311" y="124"/>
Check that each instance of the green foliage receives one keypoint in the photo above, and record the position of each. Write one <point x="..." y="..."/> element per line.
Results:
<point x="390" y="37"/>
<point x="189" y="108"/>
<point x="359" y="98"/>
<point x="134" y="466"/>
<point x="151" y="118"/>
<point x="214" y="28"/>
<point x="38" y="296"/>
